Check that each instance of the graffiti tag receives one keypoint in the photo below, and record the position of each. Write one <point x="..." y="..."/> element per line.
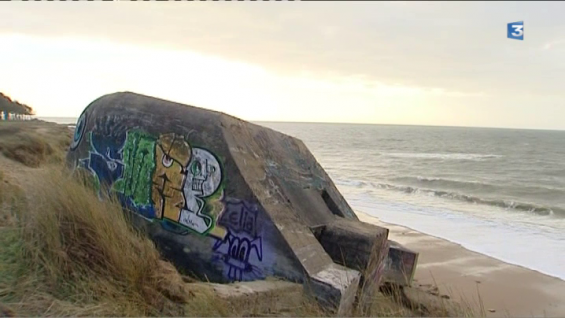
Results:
<point x="240" y="217"/>
<point x="239" y="253"/>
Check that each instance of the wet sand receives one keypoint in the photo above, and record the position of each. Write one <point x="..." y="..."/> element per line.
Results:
<point x="505" y="290"/>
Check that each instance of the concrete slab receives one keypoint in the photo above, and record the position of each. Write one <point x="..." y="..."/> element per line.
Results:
<point x="400" y="265"/>
<point x="259" y="297"/>
<point x="357" y="245"/>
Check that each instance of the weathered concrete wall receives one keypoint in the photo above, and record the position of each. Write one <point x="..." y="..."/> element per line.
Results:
<point x="225" y="199"/>
<point x="357" y="245"/>
<point x="400" y="265"/>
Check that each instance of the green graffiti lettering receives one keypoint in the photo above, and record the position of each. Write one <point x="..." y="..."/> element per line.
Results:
<point x="139" y="164"/>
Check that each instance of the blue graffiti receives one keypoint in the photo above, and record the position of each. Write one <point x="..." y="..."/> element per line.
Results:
<point x="239" y="216"/>
<point x="105" y="158"/>
<point x="238" y="253"/>
<point x="105" y="161"/>
<point x="79" y="131"/>
<point x="146" y="211"/>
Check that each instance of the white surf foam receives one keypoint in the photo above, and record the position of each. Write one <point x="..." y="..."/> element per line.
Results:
<point x="520" y="241"/>
<point x="443" y="156"/>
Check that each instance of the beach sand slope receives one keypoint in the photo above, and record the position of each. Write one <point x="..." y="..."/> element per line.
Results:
<point x="505" y="290"/>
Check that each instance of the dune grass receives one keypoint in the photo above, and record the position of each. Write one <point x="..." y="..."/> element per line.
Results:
<point x="31" y="144"/>
<point x="65" y="253"/>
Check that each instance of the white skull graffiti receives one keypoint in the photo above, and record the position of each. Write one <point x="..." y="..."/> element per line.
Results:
<point x="204" y="173"/>
<point x="203" y="178"/>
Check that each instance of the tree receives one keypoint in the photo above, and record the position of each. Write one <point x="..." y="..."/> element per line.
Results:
<point x="8" y="105"/>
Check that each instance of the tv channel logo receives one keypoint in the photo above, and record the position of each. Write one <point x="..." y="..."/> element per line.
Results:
<point x="516" y="30"/>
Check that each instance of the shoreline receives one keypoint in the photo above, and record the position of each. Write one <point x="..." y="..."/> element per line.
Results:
<point x="473" y="278"/>
<point x="463" y="245"/>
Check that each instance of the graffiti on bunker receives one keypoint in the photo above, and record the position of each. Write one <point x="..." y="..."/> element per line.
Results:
<point x="239" y="254"/>
<point x="165" y="179"/>
<point x="161" y="178"/>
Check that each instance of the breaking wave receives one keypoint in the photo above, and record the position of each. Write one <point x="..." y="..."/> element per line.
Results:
<point x="441" y="182"/>
<point x="443" y="156"/>
<point x="505" y="204"/>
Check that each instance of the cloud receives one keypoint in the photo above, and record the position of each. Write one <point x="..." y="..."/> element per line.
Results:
<point x="457" y="46"/>
<point x="373" y="53"/>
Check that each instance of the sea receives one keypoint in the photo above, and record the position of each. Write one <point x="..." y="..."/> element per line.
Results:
<point x="499" y="192"/>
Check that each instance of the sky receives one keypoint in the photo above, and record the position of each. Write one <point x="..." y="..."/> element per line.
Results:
<point x="410" y="63"/>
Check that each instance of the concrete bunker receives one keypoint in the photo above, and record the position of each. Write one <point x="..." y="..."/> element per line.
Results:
<point x="230" y="201"/>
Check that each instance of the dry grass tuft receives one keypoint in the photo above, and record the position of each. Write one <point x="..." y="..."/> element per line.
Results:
<point x="11" y="198"/>
<point x="78" y="255"/>
<point x="21" y="142"/>
<point x="26" y="149"/>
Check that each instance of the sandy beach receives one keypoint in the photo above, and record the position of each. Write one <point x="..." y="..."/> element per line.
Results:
<point x="506" y="290"/>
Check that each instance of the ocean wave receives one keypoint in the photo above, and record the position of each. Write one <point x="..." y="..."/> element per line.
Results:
<point x="354" y="183"/>
<point x="436" y="179"/>
<point x="542" y="192"/>
<point x="428" y="179"/>
<point x="442" y="156"/>
<point x="443" y="182"/>
<point x="505" y="204"/>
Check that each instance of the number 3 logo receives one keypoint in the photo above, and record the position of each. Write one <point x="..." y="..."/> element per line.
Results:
<point x="519" y="30"/>
<point x="516" y="30"/>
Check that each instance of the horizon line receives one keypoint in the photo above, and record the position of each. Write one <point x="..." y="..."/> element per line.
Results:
<point x="368" y="124"/>
<point x="412" y="125"/>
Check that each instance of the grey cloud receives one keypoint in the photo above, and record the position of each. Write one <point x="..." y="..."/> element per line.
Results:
<point x="459" y="46"/>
